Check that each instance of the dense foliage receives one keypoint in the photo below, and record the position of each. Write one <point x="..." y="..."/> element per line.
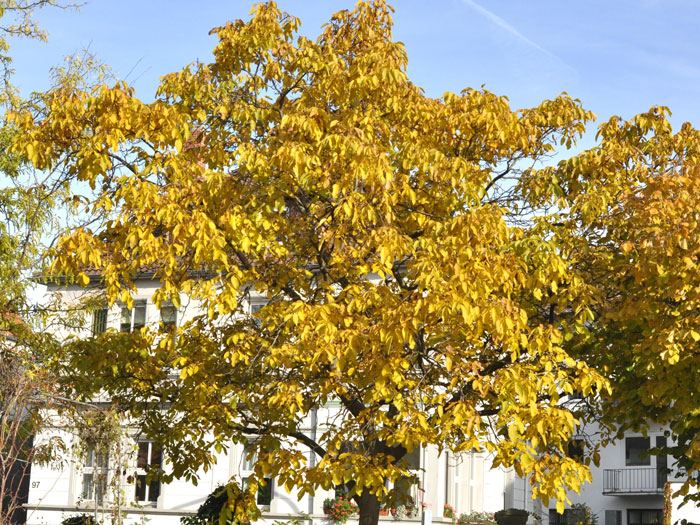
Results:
<point x="393" y="236"/>
<point x="26" y="206"/>
<point x="213" y="510"/>
<point x="422" y="263"/>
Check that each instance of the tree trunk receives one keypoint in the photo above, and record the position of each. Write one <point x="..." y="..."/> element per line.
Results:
<point x="369" y="508"/>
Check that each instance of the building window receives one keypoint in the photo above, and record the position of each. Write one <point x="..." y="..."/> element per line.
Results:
<point x="406" y="485"/>
<point x="637" y="451"/>
<point x="644" y="516"/>
<point x="133" y="319"/>
<point x="254" y="309"/>
<point x="575" y="449"/>
<point x="149" y="456"/>
<point x="94" y="482"/>
<point x="99" y="321"/>
<point x="168" y="316"/>
<point x="661" y="464"/>
<point x="613" y="517"/>
<point x="264" y="496"/>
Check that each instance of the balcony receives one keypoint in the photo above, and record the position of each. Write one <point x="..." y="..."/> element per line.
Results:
<point x="633" y="481"/>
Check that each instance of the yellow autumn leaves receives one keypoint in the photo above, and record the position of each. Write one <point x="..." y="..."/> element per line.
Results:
<point x="423" y="272"/>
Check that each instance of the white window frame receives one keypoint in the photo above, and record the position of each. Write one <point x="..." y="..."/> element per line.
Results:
<point x="94" y="470"/>
<point x="255" y="304"/>
<point x="99" y="318"/>
<point x="246" y="470"/>
<point x="138" y="304"/>
<point x="175" y="310"/>
<point x="413" y="489"/>
<point x="142" y="471"/>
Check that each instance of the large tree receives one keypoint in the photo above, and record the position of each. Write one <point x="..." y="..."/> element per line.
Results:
<point x="402" y="244"/>
<point x="630" y="224"/>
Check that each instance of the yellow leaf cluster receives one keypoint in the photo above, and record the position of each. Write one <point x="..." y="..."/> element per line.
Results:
<point x="414" y="285"/>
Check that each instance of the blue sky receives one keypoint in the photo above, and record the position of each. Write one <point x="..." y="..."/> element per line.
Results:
<point x="618" y="56"/>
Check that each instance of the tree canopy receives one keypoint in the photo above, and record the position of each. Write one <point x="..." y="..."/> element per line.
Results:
<point x="422" y="261"/>
<point x="634" y="209"/>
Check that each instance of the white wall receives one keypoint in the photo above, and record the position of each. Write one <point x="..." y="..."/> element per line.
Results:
<point x="466" y="481"/>
<point x="613" y="456"/>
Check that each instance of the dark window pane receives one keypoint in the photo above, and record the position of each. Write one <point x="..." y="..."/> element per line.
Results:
<point x="644" y="517"/>
<point x="265" y="493"/>
<point x="153" y="491"/>
<point x="264" y="496"/>
<point x="575" y="449"/>
<point x="87" y="486"/>
<point x="140" y="493"/>
<point x="142" y="458"/>
<point x="90" y="457"/>
<point x="661" y="464"/>
<point x="574" y="516"/>
<point x="636" y="451"/>
<point x="156" y="456"/>
<point x="99" y="321"/>
<point x="139" y="316"/>
<point x="125" y="322"/>
<point x="570" y="517"/>
<point x="613" y="517"/>
<point x="403" y="485"/>
<point x="168" y="316"/>
<point x="100" y="487"/>
<point x="413" y="459"/>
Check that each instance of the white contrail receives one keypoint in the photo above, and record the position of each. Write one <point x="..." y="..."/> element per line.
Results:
<point x="505" y="25"/>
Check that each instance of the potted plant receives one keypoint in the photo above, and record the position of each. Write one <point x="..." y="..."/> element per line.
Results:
<point x="340" y="509"/>
<point x="399" y="512"/>
<point x="511" y="517"/>
<point x="448" y="511"/>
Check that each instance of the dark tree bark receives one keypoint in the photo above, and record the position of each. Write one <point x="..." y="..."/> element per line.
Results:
<point x="368" y="505"/>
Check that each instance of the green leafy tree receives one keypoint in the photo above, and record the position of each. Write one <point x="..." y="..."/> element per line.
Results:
<point x="26" y="205"/>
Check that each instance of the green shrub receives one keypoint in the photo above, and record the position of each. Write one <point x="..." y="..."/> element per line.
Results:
<point x="210" y="511"/>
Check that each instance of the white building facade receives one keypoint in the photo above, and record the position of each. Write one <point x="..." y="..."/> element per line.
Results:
<point x="628" y="486"/>
<point x="88" y="481"/>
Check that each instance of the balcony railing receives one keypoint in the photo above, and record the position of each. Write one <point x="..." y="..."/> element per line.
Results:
<point x="633" y="481"/>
